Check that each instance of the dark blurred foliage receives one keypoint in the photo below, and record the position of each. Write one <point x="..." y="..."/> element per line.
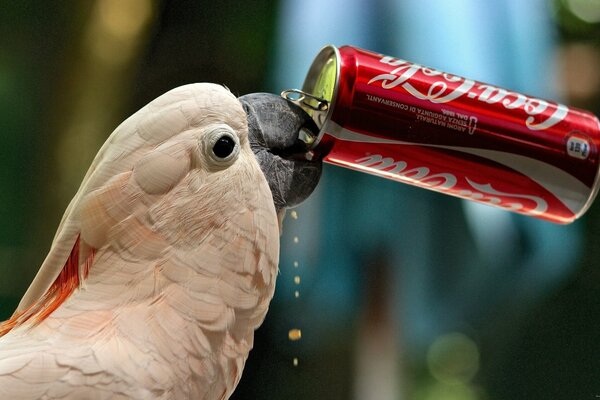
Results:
<point x="226" y="42"/>
<point x="29" y="43"/>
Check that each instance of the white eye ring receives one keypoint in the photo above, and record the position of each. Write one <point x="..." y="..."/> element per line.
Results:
<point x="221" y="145"/>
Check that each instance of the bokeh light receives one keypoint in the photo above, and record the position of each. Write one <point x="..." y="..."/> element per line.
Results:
<point x="586" y="10"/>
<point x="453" y="358"/>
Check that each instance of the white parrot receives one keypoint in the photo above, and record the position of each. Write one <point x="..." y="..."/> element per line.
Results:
<point x="165" y="261"/>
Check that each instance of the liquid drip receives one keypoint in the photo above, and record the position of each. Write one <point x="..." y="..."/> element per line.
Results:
<point x="294" y="334"/>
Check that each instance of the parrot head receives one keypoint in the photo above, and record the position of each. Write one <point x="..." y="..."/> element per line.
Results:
<point x="172" y="159"/>
<point x="274" y="129"/>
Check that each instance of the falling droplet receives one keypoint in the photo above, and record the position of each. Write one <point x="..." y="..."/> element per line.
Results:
<point x="297" y="280"/>
<point x="296" y="264"/>
<point x="296" y="294"/>
<point x="294" y="214"/>
<point x="295" y="334"/>
<point x="295" y="361"/>
<point x="296" y="239"/>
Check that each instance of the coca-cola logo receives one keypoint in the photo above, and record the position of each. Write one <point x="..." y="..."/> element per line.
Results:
<point x="448" y="183"/>
<point x="444" y="88"/>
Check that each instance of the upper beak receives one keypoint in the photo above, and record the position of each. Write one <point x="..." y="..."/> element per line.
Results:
<point x="276" y="126"/>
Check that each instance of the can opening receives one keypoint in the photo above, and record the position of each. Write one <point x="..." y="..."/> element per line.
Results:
<point x="322" y="78"/>
<point x="319" y="89"/>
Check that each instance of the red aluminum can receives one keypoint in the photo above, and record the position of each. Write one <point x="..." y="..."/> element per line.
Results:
<point x="403" y="121"/>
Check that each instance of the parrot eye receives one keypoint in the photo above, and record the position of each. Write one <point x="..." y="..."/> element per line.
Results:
<point x="221" y="146"/>
<point x="224" y="146"/>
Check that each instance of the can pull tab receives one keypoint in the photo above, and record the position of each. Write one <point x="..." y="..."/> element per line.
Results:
<point x="315" y="106"/>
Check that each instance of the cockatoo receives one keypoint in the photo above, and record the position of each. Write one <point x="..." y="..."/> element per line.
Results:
<point x="165" y="261"/>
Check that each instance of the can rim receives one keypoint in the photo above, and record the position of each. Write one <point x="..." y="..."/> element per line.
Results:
<point x="308" y="86"/>
<point x="595" y="188"/>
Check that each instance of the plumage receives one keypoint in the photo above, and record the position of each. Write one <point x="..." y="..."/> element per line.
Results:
<point x="175" y="257"/>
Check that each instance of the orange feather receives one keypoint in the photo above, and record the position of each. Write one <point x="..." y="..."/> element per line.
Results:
<point x="65" y="284"/>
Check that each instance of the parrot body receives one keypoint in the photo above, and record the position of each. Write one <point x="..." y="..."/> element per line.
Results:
<point x="162" y="267"/>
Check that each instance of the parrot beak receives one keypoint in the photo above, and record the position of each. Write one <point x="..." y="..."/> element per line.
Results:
<point x="277" y="128"/>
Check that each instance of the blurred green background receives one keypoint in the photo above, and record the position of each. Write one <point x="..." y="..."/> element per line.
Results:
<point x="71" y="71"/>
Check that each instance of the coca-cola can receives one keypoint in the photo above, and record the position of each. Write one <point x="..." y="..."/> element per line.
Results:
<point x="403" y="121"/>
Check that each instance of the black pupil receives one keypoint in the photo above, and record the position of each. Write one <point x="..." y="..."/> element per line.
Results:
<point x="223" y="147"/>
